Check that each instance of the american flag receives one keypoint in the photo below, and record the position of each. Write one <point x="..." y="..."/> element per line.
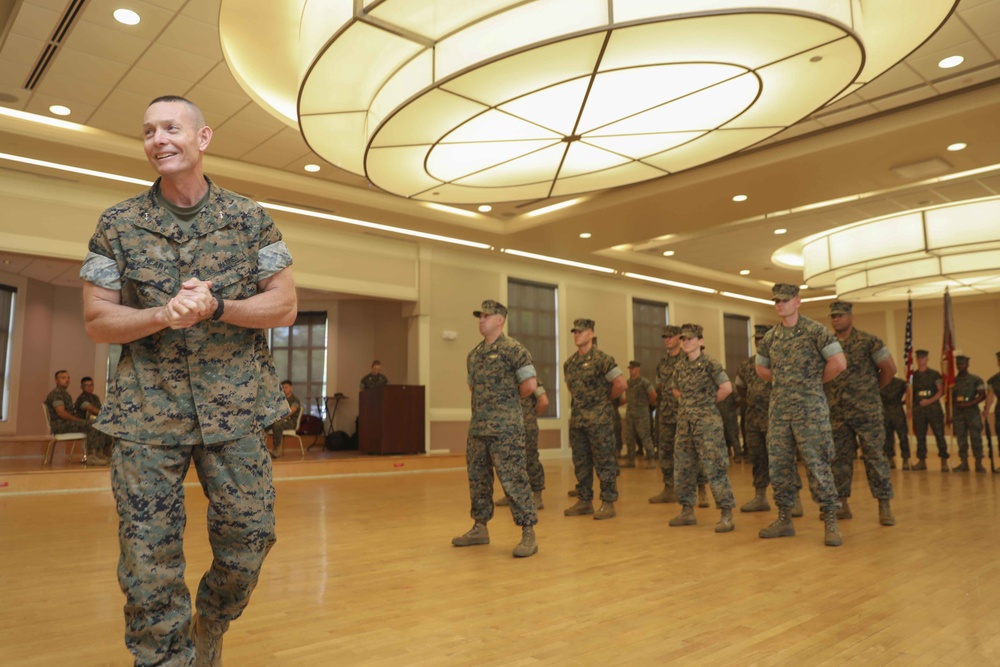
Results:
<point x="908" y="348"/>
<point x="948" y="352"/>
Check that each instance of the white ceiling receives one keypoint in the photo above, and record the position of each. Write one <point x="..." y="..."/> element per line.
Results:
<point x="106" y="73"/>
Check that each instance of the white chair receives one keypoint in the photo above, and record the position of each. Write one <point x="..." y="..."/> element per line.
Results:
<point x="60" y="437"/>
<point x="292" y="432"/>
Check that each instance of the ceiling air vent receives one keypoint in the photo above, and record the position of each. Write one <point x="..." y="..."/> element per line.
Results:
<point x="55" y="41"/>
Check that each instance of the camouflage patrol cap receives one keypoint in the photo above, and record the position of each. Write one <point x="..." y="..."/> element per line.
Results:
<point x="672" y="330"/>
<point x="784" y="291"/>
<point x="691" y="331"/>
<point x="634" y="364"/>
<point x="841" y="308"/>
<point x="760" y="329"/>
<point x="961" y="358"/>
<point x="582" y="324"/>
<point x="491" y="307"/>
<point x="923" y="353"/>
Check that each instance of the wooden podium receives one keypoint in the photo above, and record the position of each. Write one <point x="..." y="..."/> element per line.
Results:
<point x="391" y="420"/>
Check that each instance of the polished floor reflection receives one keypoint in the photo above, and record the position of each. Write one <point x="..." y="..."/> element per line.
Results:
<point x="364" y="574"/>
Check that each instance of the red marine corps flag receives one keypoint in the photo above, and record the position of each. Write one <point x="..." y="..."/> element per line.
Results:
<point x="908" y="348"/>
<point x="948" y="353"/>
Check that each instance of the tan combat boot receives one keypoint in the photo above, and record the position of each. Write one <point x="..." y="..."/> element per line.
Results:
<point x="605" y="511"/>
<point x="207" y="638"/>
<point x="528" y="545"/>
<point x="664" y="496"/>
<point x="685" y="518"/>
<point x="502" y="502"/>
<point x="782" y="526"/>
<point x="979" y="466"/>
<point x="725" y="524"/>
<point x="477" y="535"/>
<point x="961" y="467"/>
<point x="845" y="510"/>
<point x="278" y="452"/>
<point x="906" y="464"/>
<point x="581" y="507"/>
<point x="759" y="502"/>
<point x="96" y="459"/>
<point x="892" y="463"/>
<point x="797" y="510"/>
<point x="702" y="496"/>
<point x="885" y="516"/>
<point x="920" y="465"/>
<point x="629" y="462"/>
<point x="944" y="465"/>
<point x="831" y="536"/>
<point x="537" y="497"/>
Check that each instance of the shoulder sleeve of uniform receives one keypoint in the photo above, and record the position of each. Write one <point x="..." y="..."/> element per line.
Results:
<point x="612" y="370"/>
<point x="718" y="373"/>
<point x="521" y="361"/>
<point x="826" y="342"/>
<point x="101" y="266"/>
<point x="273" y="255"/>
<point x="879" y="351"/>
<point x="539" y="391"/>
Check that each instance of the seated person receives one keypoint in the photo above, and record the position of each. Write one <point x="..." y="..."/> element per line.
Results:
<point x="288" y="422"/>
<point x="62" y="420"/>
<point x="375" y="378"/>
<point x="88" y="406"/>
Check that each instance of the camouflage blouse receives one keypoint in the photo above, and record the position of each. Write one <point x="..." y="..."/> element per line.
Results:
<point x="589" y="378"/>
<point x="666" y="410"/>
<point x="209" y="383"/>
<point x="856" y="389"/>
<point x="496" y="372"/>
<point x="797" y="357"/>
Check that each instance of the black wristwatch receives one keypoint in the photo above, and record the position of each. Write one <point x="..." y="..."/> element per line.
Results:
<point x="221" y="308"/>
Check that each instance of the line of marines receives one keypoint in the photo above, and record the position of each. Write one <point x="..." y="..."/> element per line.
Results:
<point x="810" y="395"/>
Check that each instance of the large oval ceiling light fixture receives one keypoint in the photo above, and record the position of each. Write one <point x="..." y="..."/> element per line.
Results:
<point x="503" y="100"/>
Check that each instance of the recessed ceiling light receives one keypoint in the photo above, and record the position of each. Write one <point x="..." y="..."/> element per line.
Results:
<point x="668" y="253"/>
<point x="740" y="198"/>
<point x="585" y="235"/>
<point x="59" y="110"/>
<point x="745" y="272"/>
<point x="951" y="61"/>
<point x="803" y="286"/>
<point x="312" y="168"/>
<point x="126" y="16"/>
<point x="780" y="231"/>
<point x="957" y="146"/>
<point x="485" y="208"/>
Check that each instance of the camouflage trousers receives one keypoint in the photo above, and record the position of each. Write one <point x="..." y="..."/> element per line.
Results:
<point x="700" y="450"/>
<point x="619" y="436"/>
<point x="867" y="430"/>
<point x="505" y="454"/>
<point x="147" y="481"/>
<point x="755" y="437"/>
<point x="277" y="430"/>
<point x="814" y="441"/>
<point x="637" y="430"/>
<point x="731" y="429"/>
<point x="536" y="473"/>
<point x="95" y="441"/>
<point x="593" y="448"/>
<point x="933" y="416"/>
<point x="968" y="426"/>
<point x="895" y="427"/>
<point x="666" y="436"/>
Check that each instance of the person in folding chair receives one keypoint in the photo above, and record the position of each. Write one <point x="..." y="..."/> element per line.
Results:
<point x="288" y="423"/>
<point x="62" y="420"/>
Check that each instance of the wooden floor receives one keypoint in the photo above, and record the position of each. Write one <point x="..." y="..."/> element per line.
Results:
<point x="364" y="574"/>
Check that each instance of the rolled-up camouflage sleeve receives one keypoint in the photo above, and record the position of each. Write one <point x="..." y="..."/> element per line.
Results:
<point x="273" y="255"/>
<point x="102" y="271"/>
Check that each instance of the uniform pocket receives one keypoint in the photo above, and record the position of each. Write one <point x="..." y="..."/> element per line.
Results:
<point x="155" y="282"/>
